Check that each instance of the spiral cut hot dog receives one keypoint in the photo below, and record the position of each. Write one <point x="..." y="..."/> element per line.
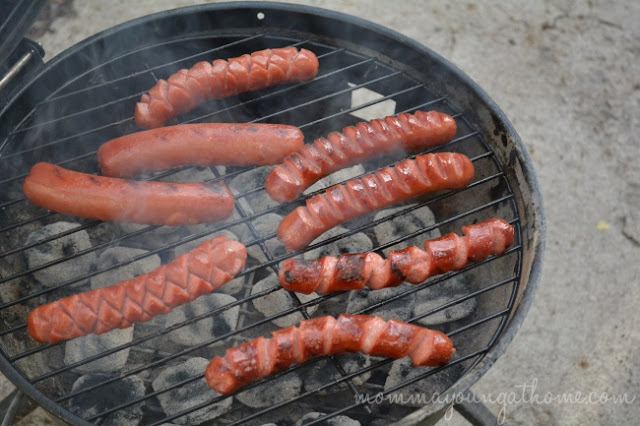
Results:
<point x="373" y="335"/>
<point x="186" y="89"/>
<point x="355" y="144"/>
<point x="339" y="203"/>
<point x="354" y="271"/>
<point x="202" y="270"/>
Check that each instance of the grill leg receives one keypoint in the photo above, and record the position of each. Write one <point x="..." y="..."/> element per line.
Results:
<point x="14" y="407"/>
<point x="15" y="399"/>
<point x="475" y="413"/>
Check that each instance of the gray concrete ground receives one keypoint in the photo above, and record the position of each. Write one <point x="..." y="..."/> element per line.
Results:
<point x="566" y="74"/>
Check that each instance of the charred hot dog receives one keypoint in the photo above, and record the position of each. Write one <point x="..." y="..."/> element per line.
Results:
<point x="373" y="335"/>
<point x="354" y="271"/>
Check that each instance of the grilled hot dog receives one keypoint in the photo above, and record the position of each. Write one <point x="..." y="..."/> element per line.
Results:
<point x="120" y="200"/>
<point x="199" y="144"/>
<point x="355" y="144"/>
<point x="186" y="89"/>
<point x="354" y="271"/>
<point x="373" y="335"/>
<point x="202" y="270"/>
<point x="339" y="203"/>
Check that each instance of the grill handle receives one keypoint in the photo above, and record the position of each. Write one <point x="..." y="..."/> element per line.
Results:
<point x="25" y="60"/>
<point x="14" y="407"/>
<point x="18" y="56"/>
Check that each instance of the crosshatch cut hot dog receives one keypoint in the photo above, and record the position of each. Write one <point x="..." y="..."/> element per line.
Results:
<point x="198" y="272"/>
<point x="186" y="89"/>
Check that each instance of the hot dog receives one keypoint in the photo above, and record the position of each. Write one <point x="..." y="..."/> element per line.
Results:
<point x="113" y="199"/>
<point x="198" y="144"/>
<point x="354" y="271"/>
<point x="186" y="89"/>
<point x="339" y="203"/>
<point x="202" y="270"/>
<point x="373" y="335"/>
<point x="355" y="144"/>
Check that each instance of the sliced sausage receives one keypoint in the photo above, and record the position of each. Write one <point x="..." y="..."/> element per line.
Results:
<point x="261" y="357"/>
<point x="353" y="271"/>
<point x="340" y="203"/>
<point x="355" y="144"/>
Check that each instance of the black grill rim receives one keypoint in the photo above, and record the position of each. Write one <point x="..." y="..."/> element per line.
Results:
<point x="538" y="225"/>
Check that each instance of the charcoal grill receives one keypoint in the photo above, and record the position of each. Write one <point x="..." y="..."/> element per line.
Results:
<point x="86" y="96"/>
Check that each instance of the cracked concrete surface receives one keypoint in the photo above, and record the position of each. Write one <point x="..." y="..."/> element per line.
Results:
<point x="566" y="74"/>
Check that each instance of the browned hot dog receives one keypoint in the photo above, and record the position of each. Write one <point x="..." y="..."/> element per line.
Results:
<point x="353" y="271"/>
<point x="120" y="200"/>
<point x="202" y="270"/>
<point x="340" y="203"/>
<point x="198" y="144"/>
<point x="186" y="89"/>
<point x="373" y="335"/>
<point x="355" y="144"/>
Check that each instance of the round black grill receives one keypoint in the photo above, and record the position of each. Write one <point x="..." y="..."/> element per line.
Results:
<point x="86" y="96"/>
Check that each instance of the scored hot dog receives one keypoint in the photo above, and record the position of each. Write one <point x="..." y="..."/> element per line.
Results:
<point x="199" y="144"/>
<point x="355" y="144"/>
<point x="339" y="203"/>
<point x="261" y="357"/>
<point x="121" y="200"/>
<point x="353" y="271"/>
<point x="198" y="272"/>
<point x="186" y="89"/>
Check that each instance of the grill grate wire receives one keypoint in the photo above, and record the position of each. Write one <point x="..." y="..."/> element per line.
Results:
<point x="246" y="219"/>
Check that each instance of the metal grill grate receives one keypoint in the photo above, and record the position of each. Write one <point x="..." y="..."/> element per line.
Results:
<point x="68" y="125"/>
